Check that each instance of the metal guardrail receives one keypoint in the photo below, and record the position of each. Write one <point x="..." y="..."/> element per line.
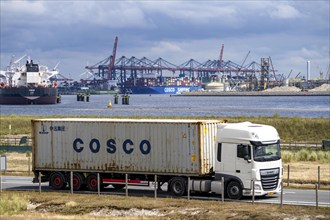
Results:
<point x="17" y="141"/>
<point x="324" y="145"/>
<point x="298" y="146"/>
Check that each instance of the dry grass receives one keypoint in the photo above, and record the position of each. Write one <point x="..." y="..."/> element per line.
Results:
<point x="306" y="173"/>
<point x="53" y="205"/>
<point x="17" y="163"/>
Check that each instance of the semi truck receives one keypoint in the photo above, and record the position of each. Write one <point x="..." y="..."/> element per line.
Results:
<point x="237" y="159"/>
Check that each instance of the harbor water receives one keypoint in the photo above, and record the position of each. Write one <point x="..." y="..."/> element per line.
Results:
<point x="179" y="106"/>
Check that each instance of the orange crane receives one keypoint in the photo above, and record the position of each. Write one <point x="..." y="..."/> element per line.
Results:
<point x="221" y="54"/>
<point x="112" y="61"/>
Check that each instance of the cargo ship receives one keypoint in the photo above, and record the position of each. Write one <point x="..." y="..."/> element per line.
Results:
<point x="162" y="85"/>
<point x="27" y="84"/>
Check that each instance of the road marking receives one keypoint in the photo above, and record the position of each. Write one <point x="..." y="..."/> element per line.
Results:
<point x="23" y="183"/>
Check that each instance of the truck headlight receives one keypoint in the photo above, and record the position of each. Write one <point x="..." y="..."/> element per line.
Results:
<point x="257" y="187"/>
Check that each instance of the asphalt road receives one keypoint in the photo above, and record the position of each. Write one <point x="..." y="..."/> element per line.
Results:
<point x="290" y="196"/>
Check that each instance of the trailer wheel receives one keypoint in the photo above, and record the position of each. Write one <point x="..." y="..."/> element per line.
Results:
<point x="178" y="186"/>
<point x="234" y="190"/>
<point x="78" y="181"/>
<point x="58" y="180"/>
<point x="92" y="182"/>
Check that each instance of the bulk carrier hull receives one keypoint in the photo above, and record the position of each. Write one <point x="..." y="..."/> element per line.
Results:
<point x="162" y="89"/>
<point x="26" y="96"/>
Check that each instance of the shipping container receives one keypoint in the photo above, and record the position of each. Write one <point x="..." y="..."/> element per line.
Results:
<point x="149" y="146"/>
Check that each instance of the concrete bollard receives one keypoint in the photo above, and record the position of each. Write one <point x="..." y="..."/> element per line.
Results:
<point x="58" y="98"/>
<point x="116" y="99"/>
<point x="127" y="99"/>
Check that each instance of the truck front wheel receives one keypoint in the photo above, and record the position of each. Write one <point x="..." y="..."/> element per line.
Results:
<point x="58" y="181"/>
<point x="234" y="190"/>
<point x="178" y="186"/>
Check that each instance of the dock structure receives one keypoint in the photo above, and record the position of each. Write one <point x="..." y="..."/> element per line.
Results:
<point x="124" y="69"/>
<point x="128" y="71"/>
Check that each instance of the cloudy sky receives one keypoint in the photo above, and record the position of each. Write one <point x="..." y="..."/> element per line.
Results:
<point x="78" y="32"/>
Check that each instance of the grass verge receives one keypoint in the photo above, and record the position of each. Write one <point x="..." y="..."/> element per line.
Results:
<point x="53" y="205"/>
<point x="11" y="203"/>
<point x="296" y="129"/>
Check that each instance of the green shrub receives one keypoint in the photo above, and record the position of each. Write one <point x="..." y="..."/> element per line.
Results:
<point x="312" y="156"/>
<point x="302" y="155"/>
<point x="287" y="156"/>
<point x="306" y="155"/>
<point x="323" y="156"/>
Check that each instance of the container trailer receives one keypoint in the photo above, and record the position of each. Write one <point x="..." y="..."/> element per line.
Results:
<point x="135" y="150"/>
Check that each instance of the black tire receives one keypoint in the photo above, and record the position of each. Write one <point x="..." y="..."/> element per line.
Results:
<point x="58" y="181"/>
<point x="234" y="190"/>
<point x="178" y="186"/>
<point x="91" y="182"/>
<point x="78" y="181"/>
<point x="118" y="186"/>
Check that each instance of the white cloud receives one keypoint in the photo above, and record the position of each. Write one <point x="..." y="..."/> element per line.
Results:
<point x="165" y="47"/>
<point x="284" y="12"/>
<point x="193" y="12"/>
<point x="26" y="7"/>
<point x="74" y="32"/>
<point x="99" y="13"/>
<point x="309" y="53"/>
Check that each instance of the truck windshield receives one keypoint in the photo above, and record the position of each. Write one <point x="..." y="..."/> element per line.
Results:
<point x="266" y="152"/>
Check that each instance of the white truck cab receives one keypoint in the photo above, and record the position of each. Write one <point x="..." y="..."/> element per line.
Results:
<point x="255" y="149"/>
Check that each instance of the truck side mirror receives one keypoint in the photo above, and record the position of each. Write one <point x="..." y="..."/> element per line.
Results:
<point x="247" y="158"/>
<point x="246" y="153"/>
<point x="243" y="152"/>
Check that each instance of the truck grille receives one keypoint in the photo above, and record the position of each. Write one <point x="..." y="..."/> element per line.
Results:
<point x="269" y="178"/>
